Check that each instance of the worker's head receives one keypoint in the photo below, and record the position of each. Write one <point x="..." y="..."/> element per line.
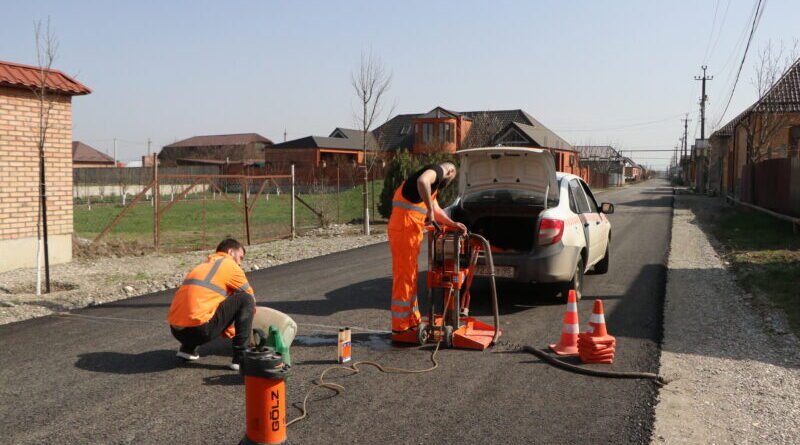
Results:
<point x="449" y="173"/>
<point x="233" y="248"/>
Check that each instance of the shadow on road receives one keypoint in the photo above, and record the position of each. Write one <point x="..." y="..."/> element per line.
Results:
<point x="663" y="201"/>
<point x="122" y="363"/>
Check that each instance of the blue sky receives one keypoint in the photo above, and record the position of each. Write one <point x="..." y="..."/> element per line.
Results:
<point x="592" y="71"/>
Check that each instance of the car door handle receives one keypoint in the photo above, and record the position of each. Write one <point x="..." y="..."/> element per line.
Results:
<point x="597" y="223"/>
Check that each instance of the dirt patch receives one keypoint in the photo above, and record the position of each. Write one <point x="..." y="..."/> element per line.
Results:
<point x="30" y="288"/>
<point x="85" y="248"/>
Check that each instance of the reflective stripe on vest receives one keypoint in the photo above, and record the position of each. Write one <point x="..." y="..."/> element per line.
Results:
<point x="407" y="206"/>
<point x="206" y="282"/>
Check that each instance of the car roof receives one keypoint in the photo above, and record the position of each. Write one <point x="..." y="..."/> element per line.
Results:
<point x="560" y="175"/>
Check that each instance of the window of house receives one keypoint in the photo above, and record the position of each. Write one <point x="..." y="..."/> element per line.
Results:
<point x="445" y="132"/>
<point x="427" y="133"/>
<point x="794" y="138"/>
<point x="405" y="129"/>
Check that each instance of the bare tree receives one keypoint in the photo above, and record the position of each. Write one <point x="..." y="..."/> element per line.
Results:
<point x="371" y="84"/>
<point x="485" y="127"/>
<point x="767" y="118"/>
<point x="46" y="50"/>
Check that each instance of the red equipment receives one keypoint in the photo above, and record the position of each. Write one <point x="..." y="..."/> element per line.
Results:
<point x="452" y="262"/>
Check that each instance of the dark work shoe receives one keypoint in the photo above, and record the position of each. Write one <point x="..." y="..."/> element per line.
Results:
<point x="237" y="360"/>
<point x="188" y="354"/>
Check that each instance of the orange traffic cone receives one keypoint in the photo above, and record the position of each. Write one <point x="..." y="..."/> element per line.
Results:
<point x="568" y="344"/>
<point x="595" y="345"/>
<point x="597" y="322"/>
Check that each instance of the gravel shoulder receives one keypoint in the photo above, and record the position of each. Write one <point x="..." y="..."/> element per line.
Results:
<point x="735" y="378"/>
<point x="89" y="282"/>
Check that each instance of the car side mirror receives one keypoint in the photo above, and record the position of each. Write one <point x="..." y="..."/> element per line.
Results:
<point x="607" y="208"/>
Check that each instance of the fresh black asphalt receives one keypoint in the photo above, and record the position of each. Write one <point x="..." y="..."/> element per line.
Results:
<point x="108" y="375"/>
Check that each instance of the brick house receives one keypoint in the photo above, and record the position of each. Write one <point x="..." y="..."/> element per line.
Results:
<point x="232" y="153"/>
<point x="768" y="130"/>
<point x="85" y="156"/>
<point x="606" y="165"/>
<point x="315" y="157"/>
<point x="441" y="130"/>
<point x="19" y="163"/>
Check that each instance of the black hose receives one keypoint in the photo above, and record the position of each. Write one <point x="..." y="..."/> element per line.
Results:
<point x="657" y="379"/>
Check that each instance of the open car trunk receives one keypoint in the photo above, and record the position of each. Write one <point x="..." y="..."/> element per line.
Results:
<point x="508" y="229"/>
<point x="502" y="191"/>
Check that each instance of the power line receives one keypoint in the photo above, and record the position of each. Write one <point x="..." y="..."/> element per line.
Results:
<point x="721" y="27"/>
<point x="756" y="19"/>
<point x="638" y="124"/>
<point x="711" y="34"/>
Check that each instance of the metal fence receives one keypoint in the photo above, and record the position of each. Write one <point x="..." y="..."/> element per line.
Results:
<point x="773" y="184"/>
<point x="187" y="208"/>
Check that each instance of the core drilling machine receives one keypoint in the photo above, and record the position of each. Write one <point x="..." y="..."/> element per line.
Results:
<point x="452" y="264"/>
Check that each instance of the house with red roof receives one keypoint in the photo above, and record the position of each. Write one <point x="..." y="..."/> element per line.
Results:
<point x="20" y="100"/>
<point x="85" y="156"/>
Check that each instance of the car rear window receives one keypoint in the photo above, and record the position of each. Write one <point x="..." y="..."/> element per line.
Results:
<point x="504" y="197"/>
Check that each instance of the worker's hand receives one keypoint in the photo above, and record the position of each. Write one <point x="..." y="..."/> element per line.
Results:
<point x="461" y="227"/>
<point x="429" y="217"/>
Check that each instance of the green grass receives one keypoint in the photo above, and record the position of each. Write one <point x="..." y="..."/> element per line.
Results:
<point x="765" y="254"/>
<point x="197" y="223"/>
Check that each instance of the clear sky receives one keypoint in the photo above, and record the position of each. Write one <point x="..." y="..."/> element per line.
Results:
<point x="596" y="72"/>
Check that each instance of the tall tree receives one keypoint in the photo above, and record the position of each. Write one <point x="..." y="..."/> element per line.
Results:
<point x="46" y="50"/>
<point x="766" y="118"/>
<point x="371" y="83"/>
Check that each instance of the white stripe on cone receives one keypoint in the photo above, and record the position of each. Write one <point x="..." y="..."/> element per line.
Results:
<point x="572" y="307"/>
<point x="570" y="329"/>
<point x="597" y="318"/>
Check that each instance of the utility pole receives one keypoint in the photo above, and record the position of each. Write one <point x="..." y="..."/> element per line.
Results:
<point x="685" y="134"/>
<point x="703" y="99"/>
<point x="148" y="147"/>
<point x="284" y="135"/>
<point x="115" y="152"/>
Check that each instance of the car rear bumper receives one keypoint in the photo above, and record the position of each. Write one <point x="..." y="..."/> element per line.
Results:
<point x="550" y="264"/>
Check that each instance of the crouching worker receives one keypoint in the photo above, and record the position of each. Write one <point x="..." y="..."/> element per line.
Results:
<point x="414" y="204"/>
<point x="215" y="299"/>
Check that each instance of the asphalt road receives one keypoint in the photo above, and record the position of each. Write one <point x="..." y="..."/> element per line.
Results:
<point x="108" y="374"/>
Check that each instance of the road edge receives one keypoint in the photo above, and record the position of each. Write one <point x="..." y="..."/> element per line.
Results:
<point x="726" y="376"/>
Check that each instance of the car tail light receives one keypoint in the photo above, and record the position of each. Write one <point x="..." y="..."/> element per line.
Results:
<point x="550" y="231"/>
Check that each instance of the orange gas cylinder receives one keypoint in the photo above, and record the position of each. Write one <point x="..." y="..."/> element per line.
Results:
<point x="265" y="396"/>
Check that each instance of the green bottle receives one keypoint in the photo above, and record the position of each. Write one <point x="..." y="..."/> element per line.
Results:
<point x="275" y="341"/>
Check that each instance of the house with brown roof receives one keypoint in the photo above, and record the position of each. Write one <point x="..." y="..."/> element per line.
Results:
<point x="19" y="164"/>
<point x="85" y="156"/>
<point x="313" y="156"/>
<point x="442" y="130"/>
<point x="758" y="151"/>
<point x="232" y="153"/>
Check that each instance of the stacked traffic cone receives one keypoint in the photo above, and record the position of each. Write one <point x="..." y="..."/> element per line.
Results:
<point x="568" y="344"/>
<point x="595" y="345"/>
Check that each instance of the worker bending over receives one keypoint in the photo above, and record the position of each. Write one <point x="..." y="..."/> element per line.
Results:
<point x="215" y="299"/>
<point x="413" y="205"/>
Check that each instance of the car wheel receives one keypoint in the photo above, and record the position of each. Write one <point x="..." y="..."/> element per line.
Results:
<point x="602" y="266"/>
<point x="576" y="283"/>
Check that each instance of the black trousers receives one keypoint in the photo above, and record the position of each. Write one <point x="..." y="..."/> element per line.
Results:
<point x="237" y="309"/>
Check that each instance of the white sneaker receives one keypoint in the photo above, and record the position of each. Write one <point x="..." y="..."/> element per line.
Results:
<point x="187" y="354"/>
<point x="234" y="366"/>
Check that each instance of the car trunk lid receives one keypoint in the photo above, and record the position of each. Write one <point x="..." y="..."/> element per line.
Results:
<point x="530" y="169"/>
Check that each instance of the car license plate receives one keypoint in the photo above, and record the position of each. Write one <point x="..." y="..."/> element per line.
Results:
<point x="499" y="271"/>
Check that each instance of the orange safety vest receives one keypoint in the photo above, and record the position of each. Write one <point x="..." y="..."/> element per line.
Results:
<point x="404" y="207"/>
<point x="205" y="288"/>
